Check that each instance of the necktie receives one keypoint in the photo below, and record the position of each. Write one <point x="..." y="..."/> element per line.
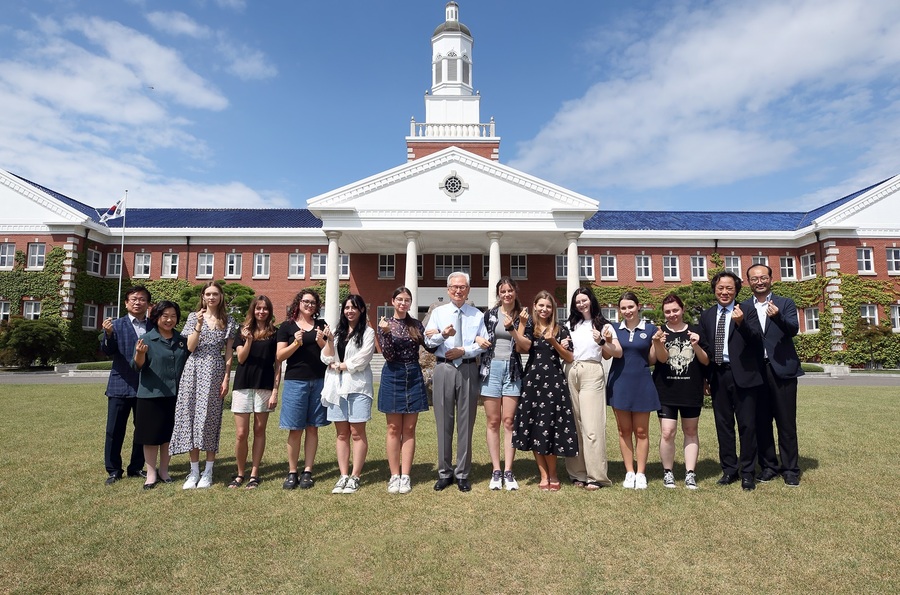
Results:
<point x="459" y="332"/>
<point x="720" y="338"/>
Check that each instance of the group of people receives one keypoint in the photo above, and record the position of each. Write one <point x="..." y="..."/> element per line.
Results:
<point x="554" y="406"/>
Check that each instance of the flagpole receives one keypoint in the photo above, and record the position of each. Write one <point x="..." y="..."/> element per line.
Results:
<point x="122" y="252"/>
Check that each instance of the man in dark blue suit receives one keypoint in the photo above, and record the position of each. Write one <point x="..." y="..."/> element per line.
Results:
<point x="734" y="378"/>
<point x="781" y="367"/>
<point x="117" y="341"/>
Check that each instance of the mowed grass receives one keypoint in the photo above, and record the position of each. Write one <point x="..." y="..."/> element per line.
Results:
<point x="64" y="531"/>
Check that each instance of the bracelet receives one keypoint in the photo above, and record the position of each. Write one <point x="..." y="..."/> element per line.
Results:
<point x="197" y="330"/>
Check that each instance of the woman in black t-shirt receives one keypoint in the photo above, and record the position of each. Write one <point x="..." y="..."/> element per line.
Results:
<point x="681" y="352"/>
<point x="255" y="386"/>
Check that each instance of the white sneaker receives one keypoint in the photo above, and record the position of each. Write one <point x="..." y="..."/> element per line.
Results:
<point x="191" y="482"/>
<point x="628" y="484"/>
<point x="690" y="480"/>
<point x="205" y="481"/>
<point x="496" y="481"/>
<point x="510" y="480"/>
<point x="405" y="486"/>
<point x="668" y="479"/>
<point x="640" y="481"/>
<point x="340" y="485"/>
<point x="394" y="484"/>
<point x="352" y="485"/>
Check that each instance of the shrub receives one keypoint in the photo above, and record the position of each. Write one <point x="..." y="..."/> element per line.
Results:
<point x="33" y="341"/>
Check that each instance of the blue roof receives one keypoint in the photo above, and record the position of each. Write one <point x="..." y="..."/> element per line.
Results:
<point x="69" y="202"/>
<point x="218" y="218"/>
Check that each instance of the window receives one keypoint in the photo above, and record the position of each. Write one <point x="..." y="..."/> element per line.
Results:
<point x="893" y="261"/>
<point x="733" y="265"/>
<point x="760" y="260"/>
<point x="170" y="266"/>
<point x="788" y="270"/>
<point x="36" y="256"/>
<point x="812" y="319"/>
<point x="562" y="314"/>
<point x="110" y="312"/>
<point x="31" y="310"/>
<point x="895" y="318"/>
<point x="698" y="268"/>
<point x="141" y="265"/>
<point x="297" y="266"/>
<point x="113" y="265"/>
<point x="234" y="265"/>
<point x="385" y="311"/>
<point x="607" y="267"/>
<point x="466" y="71"/>
<point x="89" y="318"/>
<point x="387" y="266"/>
<point x="869" y="313"/>
<point x="808" y="265"/>
<point x="485" y="266"/>
<point x="518" y="266"/>
<point x="420" y="267"/>
<point x="670" y="268"/>
<point x="4" y="310"/>
<point x="7" y="256"/>
<point x="864" y="264"/>
<point x="452" y="67"/>
<point x="261" y="266"/>
<point x="319" y="268"/>
<point x="94" y="258"/>
<point x="642" y="269"/>
<point x="611" y="314"/>
<point x="205" y="262"/>
<point x="585" y="266"/>
<point x="444" y="264"/>
<point x="438" y="75"/>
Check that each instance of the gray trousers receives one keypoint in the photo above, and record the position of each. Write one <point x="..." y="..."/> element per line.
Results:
<point x="455" y="396"/>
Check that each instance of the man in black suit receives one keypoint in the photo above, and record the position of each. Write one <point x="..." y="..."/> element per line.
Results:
<point x="734" y="378"/>
<point x="777" y="399"/>
<point x="117" y="341"/>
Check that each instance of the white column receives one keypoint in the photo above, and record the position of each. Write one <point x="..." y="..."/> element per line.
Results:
<point x="333" y="280"/>
<point x="493" y="266"/>
<point x="572" y="282"/>
<point x="411" y="280"/>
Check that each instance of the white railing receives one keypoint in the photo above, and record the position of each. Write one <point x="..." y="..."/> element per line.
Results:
<point x="426" y="130"/>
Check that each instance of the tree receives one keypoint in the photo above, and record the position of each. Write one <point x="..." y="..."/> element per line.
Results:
<point x="237" y="299"/>
<point x="33" y="341"/>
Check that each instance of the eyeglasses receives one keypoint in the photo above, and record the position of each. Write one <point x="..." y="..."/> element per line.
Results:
<point x="308" y="302"/>
<point x="762" y="279"/>
<point x="458" y="287"/>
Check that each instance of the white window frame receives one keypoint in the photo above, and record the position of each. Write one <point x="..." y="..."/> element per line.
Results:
<point x="699" y="272"/>
<point x="169" y="265"/>
<point x="670" y="265"/>
<point x="893" y="261"/>
<point x="759" y="259"/>
<point x="733" y="265"/>
<point x="869" y="313"/>
<point x="865" y="262"/>
<point x="586" y="267"/>
<point x="93" y="262"/>
<point x="31" y="310"/>
<point x="89" y="317"/>
<point x="37" y="256"/>
<point x="611" y="313"/>
<point x="261" y="265"/>
<point x="319" y="267"/>
<point x="895" y="318"/>
<point x="450" y="263"/>
<point x="113" y="264"/>
<point x="384" y="311"/>
<point x="387" y="266"/>
<point x="811" y="320"/>
<point x="7" y="256"/>
<point x="110" y="311"/>
<point x="808" y="266"/>
<point x="643" y="267"/>
<point x="485" y="266"/>
<point x="609" y="269"/>
<point x="142" y="261"/>
<point x="234" y="266"/>
<point x="5" y="309"/>
<point x="297" y="266"/>
<point x="518" y="266"/>
<point x="420" y="267"/>
<point x="787" y="266"/>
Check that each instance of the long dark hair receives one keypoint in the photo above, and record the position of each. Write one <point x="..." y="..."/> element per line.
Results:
<point x="597" y="317"/>
<point x="343" y="334"/>
<point x="517" y="305"/>
<point x="268" y="328"/>
<point x="295" y="305"/>
<point x="408" y="320"/>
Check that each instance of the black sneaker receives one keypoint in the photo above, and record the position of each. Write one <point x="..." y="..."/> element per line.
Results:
<point x="291" y="482"/>
<point x="791" y="480"/>
<point x="767" y="475"/>
<point x="306" y="480"/>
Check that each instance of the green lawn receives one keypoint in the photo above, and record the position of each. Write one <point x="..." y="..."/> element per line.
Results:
<point x="64" y="531"/>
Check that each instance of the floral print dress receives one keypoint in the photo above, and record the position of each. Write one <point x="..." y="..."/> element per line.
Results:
<point x="198" y="411"/>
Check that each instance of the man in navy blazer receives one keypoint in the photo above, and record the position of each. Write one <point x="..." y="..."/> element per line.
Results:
<point x="117" y="341"/>
<point x="734" y="379"/>
<point x="781" y="367"/>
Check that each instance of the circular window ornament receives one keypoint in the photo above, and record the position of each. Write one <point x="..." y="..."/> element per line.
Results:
<point x="453" y="185"/>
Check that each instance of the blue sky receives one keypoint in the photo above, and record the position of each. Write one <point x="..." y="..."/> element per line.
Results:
<point x="771" y="104"/>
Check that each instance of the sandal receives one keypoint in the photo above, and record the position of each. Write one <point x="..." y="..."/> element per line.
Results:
<point x="578" y="483"/>
<point x="545" y="487"/>
<point x="236" y="481"/>
<point x="553" y="486"/>
<point x="253" y="483"/>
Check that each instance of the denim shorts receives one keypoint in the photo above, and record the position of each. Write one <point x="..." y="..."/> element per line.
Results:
<point x="498" y="383"/>
<point x="301" y="405"/>
<point x="402" y="389"/>
<point x="356" y="408"/>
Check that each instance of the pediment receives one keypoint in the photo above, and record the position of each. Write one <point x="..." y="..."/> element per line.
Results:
<point x="875" y="210"/>
<point x="23" y="205"/>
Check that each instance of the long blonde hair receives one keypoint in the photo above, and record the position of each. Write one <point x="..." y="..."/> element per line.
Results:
<point x="221" y="313"/>
<point x="539" y="327"/>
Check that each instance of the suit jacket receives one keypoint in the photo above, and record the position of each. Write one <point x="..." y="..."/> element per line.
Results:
<point x="123" y="380"/>
<point x="778" y="337"/>
<point x="744" y="345"/>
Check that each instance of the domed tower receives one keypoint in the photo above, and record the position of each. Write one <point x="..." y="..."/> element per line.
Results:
<point x="452" y="114"/>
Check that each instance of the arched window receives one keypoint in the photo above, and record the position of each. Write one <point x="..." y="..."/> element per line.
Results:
<point x="452" y="67"/>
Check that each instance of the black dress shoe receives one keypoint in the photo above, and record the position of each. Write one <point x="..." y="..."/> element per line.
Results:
<point x="463" y="485"/>
<point x="113" y="478"/>
<point x="767" y="475"/>
<point x="140" y="473"/>
<point x="748" y="484"/>
<point x="791" y="480"/>
<point x="727" y="479"/>
<point x="150" y="486"/>
<point x="443" y="483"/>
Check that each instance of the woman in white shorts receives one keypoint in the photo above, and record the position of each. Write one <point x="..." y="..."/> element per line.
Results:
<point x="255" y="386"/>
<point x="348" y="388"/>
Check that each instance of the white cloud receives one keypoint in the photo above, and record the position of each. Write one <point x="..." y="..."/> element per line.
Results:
<point x="726" y="92"/>
<point x="237" y="5"/>
<point x="245" y="62"/>
<point x="177" y="23"/>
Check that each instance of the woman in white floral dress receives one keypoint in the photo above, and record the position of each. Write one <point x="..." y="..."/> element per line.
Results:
<point x="204" y="384"/>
